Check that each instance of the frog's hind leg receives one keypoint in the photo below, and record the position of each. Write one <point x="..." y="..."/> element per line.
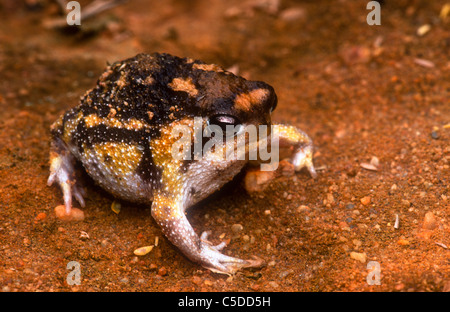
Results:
<point x="62" y="170"/>
<point x="169" y="214"/>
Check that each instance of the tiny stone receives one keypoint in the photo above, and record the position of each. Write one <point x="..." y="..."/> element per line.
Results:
<point x="285" y="273"/>
<point x="359" y="256"/>
<point x="350" y="206"/>
<point x="142" y="251"/>
<point x="84" y="235"/>
<point x="197" y="280"/>
<point x="406" y="203"/>
<point x="435" y="135"/>
<point x="75" y="214"/>
<point x="40" y="216"/>
<point x="365" y="200"/>
<point x="303" y="209"/>
<point x="162" y="271"/>
<point x="236" y="228"/>
<point x="429" y="222"/>
<point x="293" y="14"/>
<point x="374" y="161"/>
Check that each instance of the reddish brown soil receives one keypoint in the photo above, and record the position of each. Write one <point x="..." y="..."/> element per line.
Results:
<point x="359" y="91"/>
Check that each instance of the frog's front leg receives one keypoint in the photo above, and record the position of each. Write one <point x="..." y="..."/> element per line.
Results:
<point x="168" y="212"/>
<point x="301" y="144"/>
<point x="62" y="171"/>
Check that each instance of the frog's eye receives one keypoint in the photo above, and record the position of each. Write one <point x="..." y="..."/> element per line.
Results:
<point x="229" y="124"/>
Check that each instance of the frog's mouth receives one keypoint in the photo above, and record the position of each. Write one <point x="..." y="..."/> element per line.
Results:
<point x="247" y="143"/>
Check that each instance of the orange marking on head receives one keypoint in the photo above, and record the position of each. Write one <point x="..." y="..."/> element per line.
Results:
<point x="246" y="100"/>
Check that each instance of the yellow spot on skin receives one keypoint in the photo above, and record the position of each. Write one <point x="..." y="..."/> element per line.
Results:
<point x="130" y="124"/>
<point x="92" y="120"/>
<point x="162" y="156"/>
<point x="70" y="127"/>
<point x="123" y="157"/>
<point x="167" y="207"/>
<point x="186" y="85"/>
<point x="246" y="100"/>
<point x="208" y="67"/>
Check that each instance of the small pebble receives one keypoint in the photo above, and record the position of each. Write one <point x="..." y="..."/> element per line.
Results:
<point x="429" y="222"/>
<point x="406" y="203"/>
<point x="84" y="235"/>
<point x="293" y="14"/>
<point x="365" y="200"/>
<point x="75" y="214"/>
<point x="374" y="161"/>
<point x="422" y="30"/>
<point x="424" y="63"/>
<point x="303" y="209"/>
<point x="283" y="274"/>
<point x="403" y="242"/>
<point x="236" y="228"/>
<point x="368" y="167"/>
<point x="142" y="251"/>
<point x="435" y="135"/>
<point x="40" y="216"/>
<point x="359" y="256"/>
<point x="162" y="271"/>
<point x="197" y="280"/>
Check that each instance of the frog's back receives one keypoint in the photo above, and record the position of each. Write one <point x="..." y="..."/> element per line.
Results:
<point x="111" y="129"/>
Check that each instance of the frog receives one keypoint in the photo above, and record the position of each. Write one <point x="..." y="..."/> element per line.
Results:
<point x="122" y="134"/>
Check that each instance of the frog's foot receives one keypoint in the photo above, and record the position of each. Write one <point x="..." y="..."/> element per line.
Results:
<point x="62" y="171"/>
<point x="302" y="158"/>
<point x="169" y="214"/>
<point x="217" y="262"/>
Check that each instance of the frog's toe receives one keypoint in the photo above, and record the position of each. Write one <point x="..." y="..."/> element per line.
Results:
<point x="303" y="158"/>
<point x="78" y="192"/>
<point x="62" y="172"/>
<point x="217" y="262"/>
<point x="204" y="238"/>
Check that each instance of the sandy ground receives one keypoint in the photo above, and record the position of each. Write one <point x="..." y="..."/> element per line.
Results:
<point x="371" y="97"/>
